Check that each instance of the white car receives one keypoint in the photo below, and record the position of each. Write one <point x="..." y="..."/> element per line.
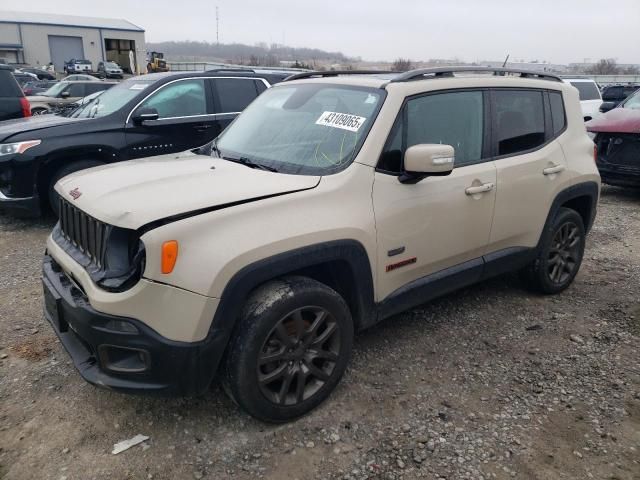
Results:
<point x="80" y="77"/>
<point x="590" y="97"/>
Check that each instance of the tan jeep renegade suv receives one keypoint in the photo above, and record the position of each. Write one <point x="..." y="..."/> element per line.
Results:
<point x="334" y="201"/>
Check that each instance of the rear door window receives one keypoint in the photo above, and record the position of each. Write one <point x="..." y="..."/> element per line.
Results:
<point x="612" y="94"/>
<point x="234" y="94"/>
<point x="518" y="120"/>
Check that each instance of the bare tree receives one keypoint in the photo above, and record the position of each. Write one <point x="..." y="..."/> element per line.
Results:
<point x="402" y="65"/>
<point x="606" y="66"/>
<point x="632" y="70"/>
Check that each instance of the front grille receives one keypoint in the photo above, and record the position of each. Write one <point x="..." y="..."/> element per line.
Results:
<point x="85" y="232"/>
<point x="620" y="149"/>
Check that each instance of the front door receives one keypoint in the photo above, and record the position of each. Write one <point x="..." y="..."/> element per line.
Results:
<point x="185" y="120"/>
<point x="72" y="93"/>
<point x="439" y="222"/>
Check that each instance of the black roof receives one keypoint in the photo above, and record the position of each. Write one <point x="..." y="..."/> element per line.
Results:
<point x="275" y="76"/>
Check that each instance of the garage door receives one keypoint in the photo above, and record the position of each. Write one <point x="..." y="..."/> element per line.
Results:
<point x="63" y="49"/>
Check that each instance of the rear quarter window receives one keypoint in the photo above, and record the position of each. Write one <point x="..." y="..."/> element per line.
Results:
<point x="558" y="117"/>
<point x="8" y="85"/>
<point x="587" y="90"/>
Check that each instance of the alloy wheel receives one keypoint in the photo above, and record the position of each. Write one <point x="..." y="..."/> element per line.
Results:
<point x="299" y="356"/>
<point x="564" y="253"/>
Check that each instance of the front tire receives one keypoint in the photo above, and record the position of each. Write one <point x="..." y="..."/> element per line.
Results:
<point x="291" y="348"/>
<point x="560" y="255"/>
<point x="39" y="111"/>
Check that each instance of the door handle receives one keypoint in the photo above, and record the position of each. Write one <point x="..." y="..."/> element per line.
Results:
<point x="552" y="170"/>
<point x="485" y="187"/>
<point x="202" y="128"/>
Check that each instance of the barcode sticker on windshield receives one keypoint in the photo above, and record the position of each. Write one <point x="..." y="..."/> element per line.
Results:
<point x="345" y="121"/>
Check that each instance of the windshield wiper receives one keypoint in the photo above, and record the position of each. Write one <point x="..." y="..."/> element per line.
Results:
<point x="214" y="148"/>
<point x="248" y="162"/>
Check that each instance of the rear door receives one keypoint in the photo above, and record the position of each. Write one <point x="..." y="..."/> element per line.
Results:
<point x="530" y="163"/>
<point x="185" y="121"/>
<point x="232" y="95"/>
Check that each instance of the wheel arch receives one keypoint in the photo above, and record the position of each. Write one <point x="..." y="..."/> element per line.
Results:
<point x="54" y="160"/>
<point x="581" y="197"/>
<point x="340" y="264"/>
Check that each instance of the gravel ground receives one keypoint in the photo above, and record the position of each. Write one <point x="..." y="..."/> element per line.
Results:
<point x="489" y="382"/>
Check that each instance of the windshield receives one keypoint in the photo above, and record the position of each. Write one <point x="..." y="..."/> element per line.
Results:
<point x="633" y="102"/>
<point x="113" y="99"/>
<point x="55" y="90"/>
<point x="308" y="129"/>
<point x="587" y="90"/>
<point x="111" y="65"/>
<point x="80" y="104"/>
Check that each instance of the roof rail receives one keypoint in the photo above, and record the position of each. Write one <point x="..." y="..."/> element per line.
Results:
<point x="335" y="73"/>
<point x="229" y="69"/>
<point x="425" y="73"/>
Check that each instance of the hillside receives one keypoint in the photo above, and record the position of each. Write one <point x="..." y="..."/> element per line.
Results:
<point x="260" y="54"/>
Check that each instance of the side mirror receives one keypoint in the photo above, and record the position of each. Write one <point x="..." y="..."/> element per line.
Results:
<point x="606" y="106"/>
<point x="65" y="95"/>
<point x="145" y="114"/>
<point x="425" y="160"/>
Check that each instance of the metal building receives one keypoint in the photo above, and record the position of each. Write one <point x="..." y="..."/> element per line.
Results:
<point x="38" y="38"/>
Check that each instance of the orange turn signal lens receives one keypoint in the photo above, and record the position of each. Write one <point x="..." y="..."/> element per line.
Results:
<point x="169" y="256"/>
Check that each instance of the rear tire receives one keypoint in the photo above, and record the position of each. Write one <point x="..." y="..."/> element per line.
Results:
<point x="290" y="349"/>
<point x="63" y="172"/>
<point x="560" y="254"/>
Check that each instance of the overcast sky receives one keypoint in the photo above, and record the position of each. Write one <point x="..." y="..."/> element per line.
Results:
<point x="558" y="31"/>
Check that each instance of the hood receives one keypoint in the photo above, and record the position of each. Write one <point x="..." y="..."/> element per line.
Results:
<point x="134" y="193"/>
<point x="41" y="99"/>
<point x="27" y="125"/>
<point x="618" y="120"/>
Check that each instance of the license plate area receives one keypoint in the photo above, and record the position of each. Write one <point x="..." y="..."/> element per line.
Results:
<point x="52" y="306"/>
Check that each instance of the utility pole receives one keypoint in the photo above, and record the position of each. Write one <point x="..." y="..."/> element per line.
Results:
<point x="217" y="27"/>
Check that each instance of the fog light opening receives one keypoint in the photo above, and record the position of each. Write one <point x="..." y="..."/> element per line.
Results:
<point x="124" y="359"/>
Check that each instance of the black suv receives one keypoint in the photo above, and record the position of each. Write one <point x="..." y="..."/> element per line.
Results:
<point x="142" y="116"/>
<point x="13" y="103"/>
<point x="614" y="95"/>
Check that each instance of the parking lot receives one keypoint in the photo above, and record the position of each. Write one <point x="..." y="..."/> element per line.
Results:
<point x="489" y="382"/>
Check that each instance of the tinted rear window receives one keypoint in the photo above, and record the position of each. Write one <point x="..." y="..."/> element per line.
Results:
<point x="587" y="90"/>
<point x="235" y="94"/>
<point x="520" y="120"/>
<point x="8" y="85"/>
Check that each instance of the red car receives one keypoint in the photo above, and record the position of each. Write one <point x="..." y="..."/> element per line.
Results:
<point x="617" y="138"/>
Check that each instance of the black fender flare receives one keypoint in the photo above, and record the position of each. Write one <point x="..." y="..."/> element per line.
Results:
<point x="251" y="276"/>
<point x="588" y="189"/>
